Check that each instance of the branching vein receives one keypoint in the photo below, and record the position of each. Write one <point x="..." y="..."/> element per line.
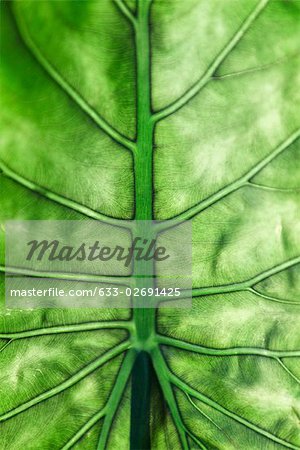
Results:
<point x="272" y="298"/>
<point x="112" y="403"/>
<point x="207" y="417"/>
<point x="256" y="69"/>
<point x="288" y="371"/>
<point x="82" y="373"/>
<point x="115" y="280"/>
<point x="235" y="185"/>
<point x="57" y="198"/>
<point x="115" y="398"/>
<point x="162" y="375"/>
<point x="126" y="12"/>
<point x="248" y="284"/>
<point x="68" y="89"/>
<point x="272" y="188"/>
<point x="88" y="326"/>
<point x="227" y="351"/>
<point x="84" y="429"/>
<point x="208" y="401"/>
<point x="201" y="83"/>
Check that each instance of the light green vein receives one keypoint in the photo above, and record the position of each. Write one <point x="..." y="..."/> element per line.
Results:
<point x="202" y="412"/>
<point x="126" y="12"/>
<point x="272" y="298"/>
<point x="288" y="371"/>
<point x="231" y="187"/>
<point x="162" y="375"/>
<point x="89" y="326"/>
<point x="271" y="188"/>
<point x="116" y="397"/>
<point x="261" y="68"/>
<point x="201" y="83"/>
<point x="244" y="285"/>
<point x="57" y="198"/>
<point x="209" y="419"/>
<point x="208" y="401"/>
<point x="196" y="440"/>
<point x="82" y="373"/>
<point x="235" y="351"/>
<point x="84" y="429"/>
<point x="5" y="345"/>
<point x="116" y="280"/>
<point x="67" y="88"/>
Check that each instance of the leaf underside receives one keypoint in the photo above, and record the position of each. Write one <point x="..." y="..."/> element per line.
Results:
<point x="157" y="110"/>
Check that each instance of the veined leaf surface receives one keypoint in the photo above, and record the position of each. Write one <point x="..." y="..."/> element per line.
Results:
<point x="158" y="110"/>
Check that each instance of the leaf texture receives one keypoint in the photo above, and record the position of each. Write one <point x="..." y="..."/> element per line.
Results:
<point x="165" y="110"/>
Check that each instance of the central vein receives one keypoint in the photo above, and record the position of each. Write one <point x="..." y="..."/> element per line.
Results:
<point x="144" y="318"/>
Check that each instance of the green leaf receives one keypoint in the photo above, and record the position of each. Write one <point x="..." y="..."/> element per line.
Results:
<point x="157" y="110"/>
